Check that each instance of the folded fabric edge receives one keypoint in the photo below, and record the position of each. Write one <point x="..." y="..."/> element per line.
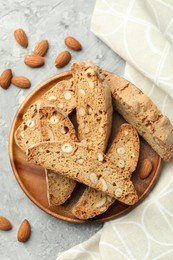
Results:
<point x="83" y="250"/>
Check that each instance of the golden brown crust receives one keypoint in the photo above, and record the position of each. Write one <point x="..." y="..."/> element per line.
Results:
<point x="63" y="157"/>
<point x="93" y="96"/>
<point x="142" y="113"/>
<point x="61" y="96"/>
<point x="55" y="125"/>
<point x="125" y="148"/>
<point x="59" y="187"/>
<point x="93" y="105"/>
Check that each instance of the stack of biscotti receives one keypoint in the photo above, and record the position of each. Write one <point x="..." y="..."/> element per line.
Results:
<point x="66" y="159"/>
<point x="107" y="177"/>
<point x="124" y="152"/>
<point x="94" y="104"/>
<point x="55" y="125"/>
<point x="61" y="95"/>
<point x="59" y="188"/>
<point x="142" y="113"/>
<point x="94" y="99"/>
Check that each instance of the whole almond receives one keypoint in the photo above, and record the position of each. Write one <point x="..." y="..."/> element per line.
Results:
<point x="146" y="168"/>
<point x="5" y="224"/>
<point x="34" y="60"/>
<point x="21" y="37"/>
<point x="5" y="78"/>
<point x="24" y="231"/>
<point x="62" y="59"/>
<point x="21" y="82"/>
<point x="41" y="48"/>
<point x="72" y="43"/>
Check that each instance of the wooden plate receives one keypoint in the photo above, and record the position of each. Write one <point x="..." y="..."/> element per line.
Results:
<point x="32" y="178"/>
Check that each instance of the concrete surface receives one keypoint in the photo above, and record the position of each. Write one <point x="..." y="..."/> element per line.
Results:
<point x="52" y="20"/>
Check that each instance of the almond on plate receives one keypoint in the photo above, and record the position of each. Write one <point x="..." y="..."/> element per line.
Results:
<point x="24" y="231"/>
<point x="5" y="78"/>
<point x="146" y="168"/>
<point x="62" y="59"/>
<point x="41" y="48"/>
<point x="34" y="60"/>
<point x="5" y="224"/>
<point x="21" y="81"/>
<point x="21" y="37"/>
<point x="72" y="43"/>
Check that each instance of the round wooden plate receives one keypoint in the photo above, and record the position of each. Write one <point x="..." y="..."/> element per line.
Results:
<point x="32" y="178"/>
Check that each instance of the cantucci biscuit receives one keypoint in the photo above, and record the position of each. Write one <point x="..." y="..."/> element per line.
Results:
<point x="93" y="105"/>
<point x="61" y="95"/>
<point x="59" y="187"/>
<point x="94" y="118"/>
<point x="143" y="114"/>
<point x="55" y="125"/>
<point x="28" y="132"/>
<point x="74" y="161"/>
<point x="124" y="152"/>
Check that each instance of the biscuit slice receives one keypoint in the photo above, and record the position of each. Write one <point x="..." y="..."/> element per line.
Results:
<point x="28" y="133"/>
<point x="93" y="105"/>
<point x="74" y="161"/>
<point x="143" y="114"/>
<point x="55" y="125"/>
<point x="94" y="126"/>
<point x="59" y="187"/>
<point x="124" y="152"/>
<point x="61" y="95"/>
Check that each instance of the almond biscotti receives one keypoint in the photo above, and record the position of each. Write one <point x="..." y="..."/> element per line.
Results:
<point x="124" y="152"/>
<point x="28" y="132"/>
<point x="139" y="110"/>
<point x="44" y="123"/>
<point x="61" y="95"/>
<point x="93" y="105"/>
<point x="73" y="160"/>
<point x="55" y="125"/>
<point x="94" y="123"/>
<point x="59" y="187"/>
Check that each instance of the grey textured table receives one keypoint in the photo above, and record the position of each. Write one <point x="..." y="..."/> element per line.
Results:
<point x="52" y="20"/>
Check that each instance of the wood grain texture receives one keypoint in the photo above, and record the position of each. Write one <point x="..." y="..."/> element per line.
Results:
<point x="31" y="178"/>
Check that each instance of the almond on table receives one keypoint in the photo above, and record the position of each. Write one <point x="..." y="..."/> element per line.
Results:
<point x="5" y="78"/>
<point x="21" y="82"/>
<point x="34" y="60"/>
<point x="62" y="59"/>
<point x="24" y="231"/>
<point x="41" y="48"/>
<point x="72" y="43"/>
<point x="5" y="224"/>
<point x="21" y="37"/>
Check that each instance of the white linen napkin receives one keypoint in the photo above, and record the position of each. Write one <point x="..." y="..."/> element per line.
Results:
<point x="141" y="32"/>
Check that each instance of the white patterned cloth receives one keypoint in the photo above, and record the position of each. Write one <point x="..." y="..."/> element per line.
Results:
<point x="141" y="32"/>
